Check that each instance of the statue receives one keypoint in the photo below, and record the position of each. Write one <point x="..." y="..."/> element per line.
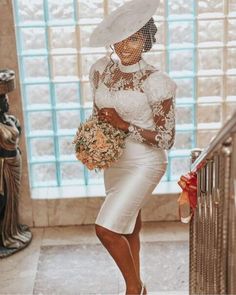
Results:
<point x="13" y="236"/>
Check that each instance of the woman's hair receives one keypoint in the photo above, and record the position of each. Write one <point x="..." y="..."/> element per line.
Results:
<point x="149" y="31"/>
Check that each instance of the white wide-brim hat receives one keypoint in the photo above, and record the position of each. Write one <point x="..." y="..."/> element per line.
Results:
<point x="123" y="22"/>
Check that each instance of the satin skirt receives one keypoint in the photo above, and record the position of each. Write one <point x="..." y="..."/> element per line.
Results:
<point x="128" y="184"/>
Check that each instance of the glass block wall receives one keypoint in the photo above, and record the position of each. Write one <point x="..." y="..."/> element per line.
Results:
<point x="196" y="46"/>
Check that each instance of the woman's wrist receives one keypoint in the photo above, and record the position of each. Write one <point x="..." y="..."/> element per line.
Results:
<point x="125" y="126"/>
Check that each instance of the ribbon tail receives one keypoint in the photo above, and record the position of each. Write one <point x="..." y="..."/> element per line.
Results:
<point x="184" y="200"/>
<point x="186" y="219"/>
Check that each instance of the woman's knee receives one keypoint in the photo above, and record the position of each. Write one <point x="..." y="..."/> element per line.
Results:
<point x="137" y="229"/>
<point x="104" y="234"/>
<point x="135" y="232"/>
<point x="138" y="224"/>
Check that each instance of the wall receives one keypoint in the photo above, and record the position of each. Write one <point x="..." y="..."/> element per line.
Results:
<point x="8" y="59"/>
<point x="47" y="210"/>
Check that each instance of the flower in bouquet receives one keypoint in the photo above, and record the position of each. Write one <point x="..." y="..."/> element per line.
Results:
<point x="98" y="144"/>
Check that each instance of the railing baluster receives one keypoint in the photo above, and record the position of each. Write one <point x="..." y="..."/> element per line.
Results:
<point x="232" y="224"/>
<point x="193" y="258"/>
<point x="212" y="262"/>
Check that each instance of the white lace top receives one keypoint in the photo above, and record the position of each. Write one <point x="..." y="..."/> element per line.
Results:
<point x="141" y="95"/>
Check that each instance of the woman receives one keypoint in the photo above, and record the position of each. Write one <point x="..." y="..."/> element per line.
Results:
<point x="13" y="236"/>
<point x="139" y="99"/>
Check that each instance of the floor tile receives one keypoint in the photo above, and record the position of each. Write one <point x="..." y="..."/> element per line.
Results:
<point x="88" y="269"/>
<point x="72" y="261"/>
<point x="18" y="271"/>
<point x="75" y="269"/>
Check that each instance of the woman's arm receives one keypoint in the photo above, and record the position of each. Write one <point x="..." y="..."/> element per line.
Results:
<point x="164" y="134"/>
<point x="164" y="118"/>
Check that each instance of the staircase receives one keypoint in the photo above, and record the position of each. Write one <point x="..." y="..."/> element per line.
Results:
<point x="213" y="226"/>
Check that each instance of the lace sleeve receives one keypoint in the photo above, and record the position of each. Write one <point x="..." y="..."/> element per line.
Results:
<point x="161" y="91"/>
<point x="164" y="118"/>
<point x="94" y="78"/>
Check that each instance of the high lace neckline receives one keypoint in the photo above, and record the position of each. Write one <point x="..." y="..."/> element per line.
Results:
<point x="132" y="68"/>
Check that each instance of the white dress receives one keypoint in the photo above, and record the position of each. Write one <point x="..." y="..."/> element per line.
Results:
<point x="143" y="96"/>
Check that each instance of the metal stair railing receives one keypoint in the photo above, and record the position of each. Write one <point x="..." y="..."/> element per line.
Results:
<point x="213" y="226"/>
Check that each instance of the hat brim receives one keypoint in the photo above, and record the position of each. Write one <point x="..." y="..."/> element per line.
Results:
<point x="123" y="22"/>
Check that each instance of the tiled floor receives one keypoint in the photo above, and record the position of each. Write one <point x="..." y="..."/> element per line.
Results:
<point x="70" y="260"/>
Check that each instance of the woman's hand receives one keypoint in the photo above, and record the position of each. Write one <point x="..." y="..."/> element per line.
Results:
<point x="110" y="116"/>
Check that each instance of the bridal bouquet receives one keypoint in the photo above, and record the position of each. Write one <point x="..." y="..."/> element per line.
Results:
<point x="98" y="144"/>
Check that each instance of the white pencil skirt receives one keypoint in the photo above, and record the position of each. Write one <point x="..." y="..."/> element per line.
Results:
<point x="128" y="184"/>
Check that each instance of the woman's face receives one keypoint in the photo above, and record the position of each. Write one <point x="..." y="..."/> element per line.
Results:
<point x="130" y="50"/>
<point x="4" y="105"/>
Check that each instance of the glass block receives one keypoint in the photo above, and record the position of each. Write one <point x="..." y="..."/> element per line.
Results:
<point x="65" y="67"/>
<point x="230" y="110"/>
<point x="179" y="166"/>
<point x="211" y="31"/>
<point x="181" y="34"/>
<point x="210" y="7"/>
<point x="65" y="145"/>
<point x="35" y="68"/>
<point x="160" y="35"/>
<point x="204" y="137"/>
<point x="68" y="119"/>
<point x="231" y="58"/>
<point x="87" y="113"/>
<point x="209" y="59"/>
<point x="231" y="31"/>
<point x="33" y="39"/>
<point x="90" y="9"/>
<point x="156" y="58"/>
<point x="44" y="174"/>
<point x="63" y="38"/>
<point x="184" y="115"/>
<point x="95" y="177"/>
<point x="210" y="86"/>
<point x="232" y="7"/>
<point x="183" y="140"/>
<point x="165" y="177"/>
<point x="85" y="32"/>
<point x="42" y="147"/>
<point x="88" y="60"/>
<point x="87" y="94"/>
<point x="38" y="94"/>
<point x="67" y="93"/>
<point x="161" y="11"/>
<point x="231" y="86"/>
<point x="72" y="173"/>
<point x="30" y="11"/>
<point x="209" y="113"/>
<point x="179" y="7"/>
<point x="61" y="10"/>
<point x="185" y="88"/>
<point x="114" y="4"/>
<point x="40" y="121"/>
<point x="181" y="61"/>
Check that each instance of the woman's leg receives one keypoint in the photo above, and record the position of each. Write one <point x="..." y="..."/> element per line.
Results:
<point x="134" y="243"/>
<point x="118" y="247"/>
